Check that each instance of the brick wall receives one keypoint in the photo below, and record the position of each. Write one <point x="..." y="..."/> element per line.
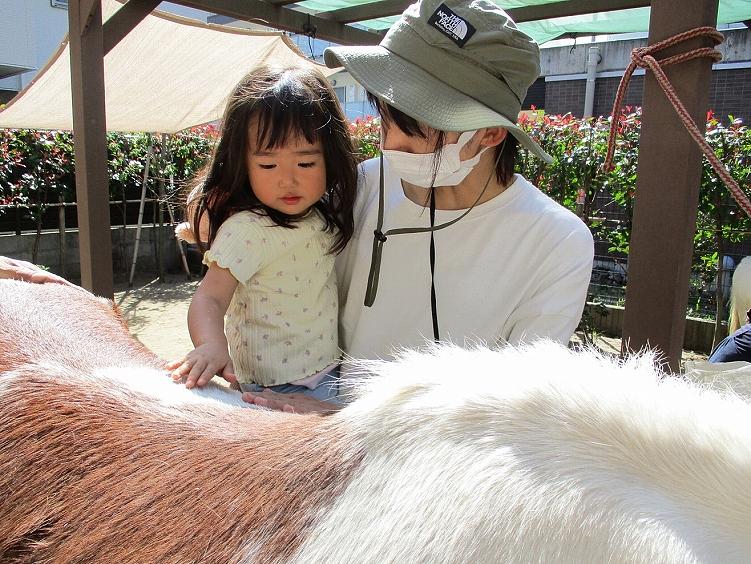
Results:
<point x="605" y="89"/>
<point x="565" y="96"/>
<point x="730" y="94"/>
<point x="535" y="95"/>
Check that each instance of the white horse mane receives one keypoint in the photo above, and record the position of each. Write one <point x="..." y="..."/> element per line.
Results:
<point x="539" y="450"/>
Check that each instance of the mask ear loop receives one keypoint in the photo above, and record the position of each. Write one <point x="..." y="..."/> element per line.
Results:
<point x="379" y="237"/>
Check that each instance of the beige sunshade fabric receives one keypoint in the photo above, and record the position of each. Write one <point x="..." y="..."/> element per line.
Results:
<point x="167" y="74"/>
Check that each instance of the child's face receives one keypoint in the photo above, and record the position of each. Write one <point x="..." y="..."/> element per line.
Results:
<point x="289" y="179"/>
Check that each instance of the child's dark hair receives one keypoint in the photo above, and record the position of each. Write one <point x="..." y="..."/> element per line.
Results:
<point x="504" y="171"/>
<point x="287" y="102"/>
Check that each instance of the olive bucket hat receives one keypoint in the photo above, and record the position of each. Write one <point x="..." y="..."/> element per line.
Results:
<point x="455" y="65"/>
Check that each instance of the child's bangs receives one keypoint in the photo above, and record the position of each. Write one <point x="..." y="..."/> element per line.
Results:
<point x="280" y="121"/>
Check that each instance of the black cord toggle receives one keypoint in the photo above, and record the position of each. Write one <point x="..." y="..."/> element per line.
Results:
<point x="309" y="29"/>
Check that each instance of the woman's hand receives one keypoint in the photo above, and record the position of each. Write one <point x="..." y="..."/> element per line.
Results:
<point x="291" y="403"/>
<point x="202" y="363"/>
<point x="28" y="272"/>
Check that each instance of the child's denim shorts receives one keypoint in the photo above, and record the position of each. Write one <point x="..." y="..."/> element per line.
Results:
<point x="326" y="390"/>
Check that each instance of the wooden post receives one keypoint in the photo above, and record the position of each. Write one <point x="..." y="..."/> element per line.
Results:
<point x="90" y="138"/>
<point x="667" y="195"/>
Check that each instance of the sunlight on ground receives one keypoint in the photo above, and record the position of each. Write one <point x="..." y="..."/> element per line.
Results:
<point x="157" y="315"/>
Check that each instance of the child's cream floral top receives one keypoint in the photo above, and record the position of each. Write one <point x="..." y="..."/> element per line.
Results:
<point x="282" y="322"/>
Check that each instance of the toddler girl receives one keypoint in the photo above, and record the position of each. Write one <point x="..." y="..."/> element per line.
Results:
<point x="278" y="195"/>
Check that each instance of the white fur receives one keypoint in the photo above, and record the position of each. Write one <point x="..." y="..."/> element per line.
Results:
<point x="159" y="384"/>
<point x="150" y="382"/>
<point x="519" y="455"/>
<point x="733" y="377"/>
<point x="5" y="379"/>
<point x="540" y="454"/>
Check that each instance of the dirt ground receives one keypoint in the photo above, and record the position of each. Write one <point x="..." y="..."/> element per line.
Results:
<point x="157" y="313"/>
<point x="157" y="316"/>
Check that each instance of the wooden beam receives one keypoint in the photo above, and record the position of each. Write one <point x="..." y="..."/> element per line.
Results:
<point x="385" y="8"/>
<point x="90" y="138"/>
<point x="124" y="20"/>
<point x="368" y="11"/>
<point x="285" y="18"/>
<point x="669" y="175"/>
<point x="572" y="8"/>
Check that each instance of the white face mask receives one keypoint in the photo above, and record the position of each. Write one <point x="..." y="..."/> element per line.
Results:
<point x="418" y="169"/>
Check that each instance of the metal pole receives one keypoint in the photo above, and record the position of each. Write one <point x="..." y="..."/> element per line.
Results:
<point x="593" y="59"/>
<point x="141" y="206"/>
<point x="61" y="227"/>
<point x="160" y="213"/>
<point x="179" y="243"/>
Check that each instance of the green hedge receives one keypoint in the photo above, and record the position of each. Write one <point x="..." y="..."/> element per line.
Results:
<point x="37" y="167"/>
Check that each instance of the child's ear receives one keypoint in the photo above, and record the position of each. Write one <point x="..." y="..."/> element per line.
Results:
<point x="493" y="136"/>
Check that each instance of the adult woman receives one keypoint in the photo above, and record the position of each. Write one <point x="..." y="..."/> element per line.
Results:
<point x="448" y="242"/>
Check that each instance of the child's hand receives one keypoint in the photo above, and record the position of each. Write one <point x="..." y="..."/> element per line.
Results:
<point x="200" y="365"/>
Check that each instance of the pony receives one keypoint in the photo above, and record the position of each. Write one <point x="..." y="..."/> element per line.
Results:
<point x="447" y="455"/>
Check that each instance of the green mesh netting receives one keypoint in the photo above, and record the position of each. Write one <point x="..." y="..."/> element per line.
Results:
<point x="622" y="21"/>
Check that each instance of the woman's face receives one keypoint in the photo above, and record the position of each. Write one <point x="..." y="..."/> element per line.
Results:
<point x="395" y="139"/>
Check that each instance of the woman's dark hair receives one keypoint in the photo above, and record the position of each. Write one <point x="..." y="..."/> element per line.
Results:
<point x="287" y="102"/>
<point x="504" y="170"/>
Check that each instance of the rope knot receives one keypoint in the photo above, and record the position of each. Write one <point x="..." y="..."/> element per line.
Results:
<point x="644" y="57"/>
<point x="637" y="56"/>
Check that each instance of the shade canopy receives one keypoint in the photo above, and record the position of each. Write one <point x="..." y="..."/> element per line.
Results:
<point x="167" y="74"/>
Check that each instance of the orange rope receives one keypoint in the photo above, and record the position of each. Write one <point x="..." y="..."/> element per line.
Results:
<point x="643" y="57"/>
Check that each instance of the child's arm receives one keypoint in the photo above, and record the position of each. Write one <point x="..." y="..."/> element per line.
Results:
<point x="206" y="326"/>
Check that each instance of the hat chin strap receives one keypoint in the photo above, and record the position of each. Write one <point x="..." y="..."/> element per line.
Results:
<point x="379" y="237"/>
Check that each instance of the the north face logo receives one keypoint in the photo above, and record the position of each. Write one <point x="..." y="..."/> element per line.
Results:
<point x="451" y="25"/>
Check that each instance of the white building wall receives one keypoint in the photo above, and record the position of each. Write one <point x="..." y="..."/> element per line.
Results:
<point x="15" y="43"/>
<point x="32" y="30"/>
<point x="351" y="95"/>
<point x="184" y="11"/>
<point x="569" y="60"/>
